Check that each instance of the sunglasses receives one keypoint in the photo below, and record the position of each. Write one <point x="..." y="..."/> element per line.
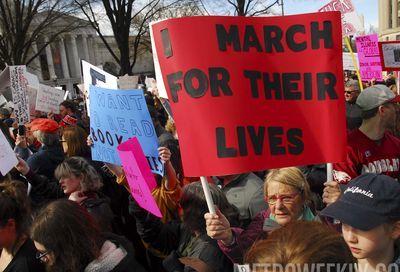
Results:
<point x="349" y="92"/>
<point x="40" y="255"/>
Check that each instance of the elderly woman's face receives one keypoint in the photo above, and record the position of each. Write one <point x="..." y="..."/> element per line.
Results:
<point x="285" y="202"/>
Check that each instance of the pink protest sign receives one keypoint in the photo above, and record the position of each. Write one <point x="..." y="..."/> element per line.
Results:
<point x="140" y="179"/>
<point x="368" y="57"/>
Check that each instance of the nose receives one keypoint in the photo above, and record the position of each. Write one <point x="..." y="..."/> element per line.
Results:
<point x="351" y="235"/>
<point x="279" y="203"/>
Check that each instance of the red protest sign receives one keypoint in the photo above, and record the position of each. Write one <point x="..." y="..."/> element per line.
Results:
<point x="254" y="93"/>
<point x="390" y="55"/>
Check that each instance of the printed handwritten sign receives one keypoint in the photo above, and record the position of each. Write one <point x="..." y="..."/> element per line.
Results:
<point x="140" y="179"/>
<point x="7" y="156"/>
<point x="390" y="55"/>
<point x="369" y="59"/>
<point x="253" y="100"/>
<point x="48" y="99"/>
<point x="351" y="22"/>
<point x="19" y="89"/>
<point x="116" y="116"/>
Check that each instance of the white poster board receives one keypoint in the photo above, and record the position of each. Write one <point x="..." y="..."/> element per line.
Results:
<point x="7" y="156"/>
<point x="348" y="61"/>
<point x="48" y="99"/>
<point x="162" y="92"/>
<point x="95" y="76"/>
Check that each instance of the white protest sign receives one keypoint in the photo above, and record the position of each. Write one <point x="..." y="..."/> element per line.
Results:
<point x="19" y="90"/>
<point x="48" y="99"/>
<point x="7" y="156"/>
<point x="128" y="82"/>
<point x="162" y="92"/>
<point x="95" y="76"/>
<point x="348" y="61"/>
<point x="351" y="22"/>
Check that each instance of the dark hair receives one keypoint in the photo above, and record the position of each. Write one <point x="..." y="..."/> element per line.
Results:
<point x="14" y="204"/>
<point x="68" y="104"/>
<point x="365" y="115"/>
<point x="68" y="231"/>
<point x="301" y="243"/>
<point x="75" y="137"/>
<point x="194" y="206"/>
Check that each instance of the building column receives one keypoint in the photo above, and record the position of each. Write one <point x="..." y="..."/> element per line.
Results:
<point x="49" y="57"/>
<point x="394" y="13"/>
<point x="85" y="47"/>
<point x="385" y="9"/>
<point x="36" y="62"/>
<point x="75" y="56"/>
<point x="64" y="61"/>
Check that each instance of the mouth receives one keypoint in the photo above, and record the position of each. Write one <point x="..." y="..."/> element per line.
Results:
<point x="355" y="250"/>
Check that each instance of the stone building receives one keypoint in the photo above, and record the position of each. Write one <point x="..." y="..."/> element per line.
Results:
<point x="389" y="20"/>
<point x="59" y="63"/>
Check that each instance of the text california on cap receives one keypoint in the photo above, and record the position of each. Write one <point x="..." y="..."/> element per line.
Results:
<point x="375" y="96"/>
<point x="367" y="202"/>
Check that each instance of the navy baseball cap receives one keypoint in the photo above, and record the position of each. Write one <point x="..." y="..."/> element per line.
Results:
<point x="367" y="202"/>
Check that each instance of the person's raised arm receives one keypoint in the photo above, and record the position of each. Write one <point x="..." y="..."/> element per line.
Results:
<point x="171" y="180"/>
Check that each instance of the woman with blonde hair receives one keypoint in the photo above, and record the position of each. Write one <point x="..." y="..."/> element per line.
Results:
<point x="79" y="181"/>
<point x="288" y="196"/>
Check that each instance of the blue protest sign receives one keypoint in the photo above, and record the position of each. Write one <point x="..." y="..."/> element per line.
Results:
<point x="116" y="116"/>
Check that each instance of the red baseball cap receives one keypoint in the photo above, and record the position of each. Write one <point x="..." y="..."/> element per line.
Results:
<point x="43" y="124"/>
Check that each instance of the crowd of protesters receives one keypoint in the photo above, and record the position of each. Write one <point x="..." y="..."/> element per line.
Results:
<point x="62" y="211"/>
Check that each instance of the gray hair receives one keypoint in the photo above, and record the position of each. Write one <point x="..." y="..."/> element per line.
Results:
<point x="48" y="139"/>
<point x="79" y="167"/>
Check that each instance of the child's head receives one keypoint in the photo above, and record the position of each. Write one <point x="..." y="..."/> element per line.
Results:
<point x="369" y="210"/>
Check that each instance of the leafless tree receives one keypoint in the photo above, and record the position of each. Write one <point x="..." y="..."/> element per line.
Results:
<point x="129" y="21"/>
<point x="24" y="22"/>
<point x="240" y="7"/>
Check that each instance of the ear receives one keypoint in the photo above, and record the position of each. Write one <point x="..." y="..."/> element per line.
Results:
<point x="395" y="233"/>
<point x="381" y="110"/>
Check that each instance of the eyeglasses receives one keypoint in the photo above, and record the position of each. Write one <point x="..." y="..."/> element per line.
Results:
<point x="285" y="199"/>
<point x="40" y="255"/>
